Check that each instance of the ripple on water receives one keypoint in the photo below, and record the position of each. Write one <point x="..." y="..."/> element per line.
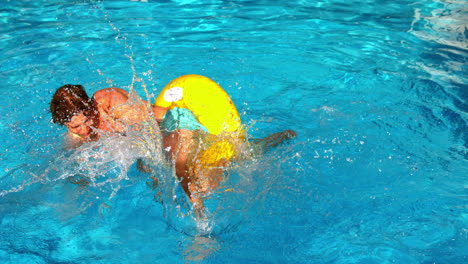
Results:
<point x="423" y="233"/>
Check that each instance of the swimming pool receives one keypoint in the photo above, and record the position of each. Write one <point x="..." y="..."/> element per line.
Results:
<point x="376" y="90"/>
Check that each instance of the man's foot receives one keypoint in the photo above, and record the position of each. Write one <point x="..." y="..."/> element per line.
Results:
<point x="275" y="139"/>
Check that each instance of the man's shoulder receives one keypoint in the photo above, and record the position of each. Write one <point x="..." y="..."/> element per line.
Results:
<point x="110" y="97"/>
<point x="111" y="93"/>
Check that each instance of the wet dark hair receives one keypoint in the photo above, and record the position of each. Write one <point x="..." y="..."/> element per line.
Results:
<point x="70" y="100"/>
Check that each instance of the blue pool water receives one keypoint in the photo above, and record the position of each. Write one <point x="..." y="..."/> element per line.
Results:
<point x="376" y="90"/>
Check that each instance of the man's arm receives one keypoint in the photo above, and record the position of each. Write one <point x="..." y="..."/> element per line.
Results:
<point x="159" y="112"/>
<point x="109" y="100"/>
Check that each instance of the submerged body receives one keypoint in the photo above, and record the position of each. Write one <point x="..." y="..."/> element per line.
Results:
<point x="201" y="132"/>
<point x="198" y="154"/>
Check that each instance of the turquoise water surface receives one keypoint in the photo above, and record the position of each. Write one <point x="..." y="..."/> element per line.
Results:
<point x="376" y="91"/>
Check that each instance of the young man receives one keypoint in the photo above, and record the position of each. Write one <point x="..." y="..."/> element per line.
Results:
<point x="110" y="111"/>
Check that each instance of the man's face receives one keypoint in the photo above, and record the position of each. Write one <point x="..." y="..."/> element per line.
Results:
<point x="79" y="126"/>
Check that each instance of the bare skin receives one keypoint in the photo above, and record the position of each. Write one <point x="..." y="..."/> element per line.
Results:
<point x="198" y="180"/>
<point x="116" y="113"/>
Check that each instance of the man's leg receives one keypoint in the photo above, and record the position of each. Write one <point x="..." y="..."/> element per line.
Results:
<point x="274" y="140"/>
